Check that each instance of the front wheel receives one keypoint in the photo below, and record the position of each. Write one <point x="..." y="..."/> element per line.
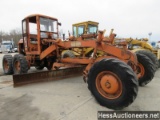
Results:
<point x="113" y="83"/>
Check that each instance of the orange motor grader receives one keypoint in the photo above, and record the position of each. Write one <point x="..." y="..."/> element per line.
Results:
<point x="112" y="78"/>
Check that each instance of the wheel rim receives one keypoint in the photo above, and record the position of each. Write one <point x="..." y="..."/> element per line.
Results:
<point x="109" y="85"/>
<point x="17" y="66"/>
<point x="140" y="70"/>
<point x="5" y="65"/>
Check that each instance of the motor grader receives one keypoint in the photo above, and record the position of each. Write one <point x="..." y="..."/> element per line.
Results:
<point x="111" y="78"/>
<point x="87" y="30"/>
<point x="136" y="45"/>
<point x="142" y="46"/>
<point x="87" y="27"/>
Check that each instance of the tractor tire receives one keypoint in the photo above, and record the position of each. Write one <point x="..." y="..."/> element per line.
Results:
<point x="49" y="62"/>
<point x="49" y="66"/>
<point x="7" y="64"/>
<point x="145" y="68"/>
<point x="151" y="56"/>
<point x="68" y="53"/>
<point x="20" y="64"/>
<point x="113" y="83"/>
<point x="39" y="67"/>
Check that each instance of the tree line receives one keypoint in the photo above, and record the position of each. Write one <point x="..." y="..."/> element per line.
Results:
<point x="15" y="35"/>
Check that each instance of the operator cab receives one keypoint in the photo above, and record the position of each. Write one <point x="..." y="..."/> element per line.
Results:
<point x="48" y="28"/>
<point x="88" y="27"/>
<point x="37" y="27"/>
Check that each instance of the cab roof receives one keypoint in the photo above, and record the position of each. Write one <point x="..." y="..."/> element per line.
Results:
<point x="40" y="15"/>
<point x="86" y="22"/>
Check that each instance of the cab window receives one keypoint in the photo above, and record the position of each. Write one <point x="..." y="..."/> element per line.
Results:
<point x="75" y="31"/>
<point x="92" y="29"/>
<point x="80" y="30"/>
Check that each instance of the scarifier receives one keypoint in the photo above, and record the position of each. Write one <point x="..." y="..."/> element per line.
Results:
<point x="112" y="78"/>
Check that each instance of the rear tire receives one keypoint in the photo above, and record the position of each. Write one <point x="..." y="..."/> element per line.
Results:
<point x="20" y="64"/>
<point x="145" y="68"/>
<point x="49" y="62"/>
<point x="7" y="64"/>
<point x="151" y="56"/>
<point x="113" y="83"/>
<point x="39" y="67"/>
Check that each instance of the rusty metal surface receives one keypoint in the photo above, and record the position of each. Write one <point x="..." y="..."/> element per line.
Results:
<point x="29" y="78"/>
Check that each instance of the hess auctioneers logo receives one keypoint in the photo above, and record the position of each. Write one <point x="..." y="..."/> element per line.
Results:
<point x="128" y="115"/>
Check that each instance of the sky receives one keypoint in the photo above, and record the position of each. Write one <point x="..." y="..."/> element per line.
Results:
<point x="128" y="18"/>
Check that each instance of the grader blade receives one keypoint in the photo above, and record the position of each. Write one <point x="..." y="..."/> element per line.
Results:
<point x="22" y="79"/>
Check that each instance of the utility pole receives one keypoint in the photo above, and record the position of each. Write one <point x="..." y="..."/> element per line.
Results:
<point x="150" y="36"/>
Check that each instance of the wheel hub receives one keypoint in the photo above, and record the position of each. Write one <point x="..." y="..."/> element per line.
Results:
<point x="109" y="84"/>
